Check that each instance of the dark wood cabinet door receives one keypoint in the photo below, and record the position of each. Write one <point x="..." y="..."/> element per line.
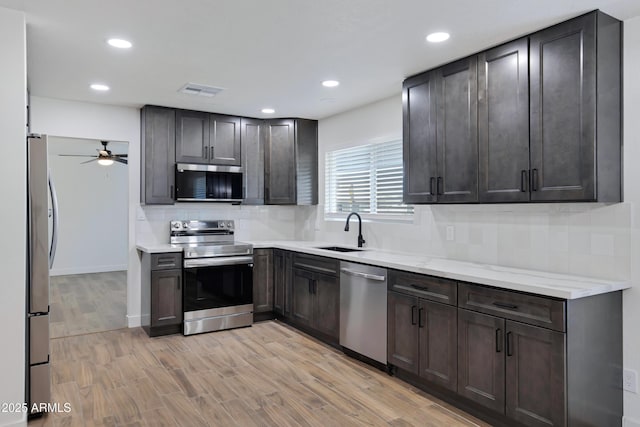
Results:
<point x="224" y="142"/>
<point x="402" y="331"/>
<point x="288" y="282"/>
<point x="563" y="111"/>
<point x="457" y="131"/>
<point x="192" y="137"/>
<point x="438" y="343"/>
<point x="158" y="156"/>
<point x="302" y="297"/>
<point x="535" y="381"/>
<point x="166" y="297"/>
<point x="419" y="139"/>
<point x="306" y="140"/>
<point x="503" y="123"/>
<point x="280" y="163"/>
<point x="252" y="153"/>
<point x="262" y="280"/>
<point x="326" y="316"/>
<point x="481" y="360"/>
<point x="278" y="281"/>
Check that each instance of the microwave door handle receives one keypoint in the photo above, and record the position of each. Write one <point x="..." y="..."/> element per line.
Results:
<point x="55" y="230"/>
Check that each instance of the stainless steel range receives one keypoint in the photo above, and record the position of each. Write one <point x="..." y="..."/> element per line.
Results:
<point x="218" y="275"/>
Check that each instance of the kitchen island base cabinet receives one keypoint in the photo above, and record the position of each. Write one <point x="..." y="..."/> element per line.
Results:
<point x="161" y="296"/>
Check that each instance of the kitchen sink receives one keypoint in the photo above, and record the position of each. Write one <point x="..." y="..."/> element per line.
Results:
<point x="339" y="249"/>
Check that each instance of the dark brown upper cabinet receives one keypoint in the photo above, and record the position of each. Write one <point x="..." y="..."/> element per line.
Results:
<point x="575" y="102"/>
<point x="503" y="123"/>
<point x="544" y="124"/>
<point x="157" y="143"/>
<point x="207" y="138"/>
<point x="291" y="162"/>
<point x="441" y="135"/>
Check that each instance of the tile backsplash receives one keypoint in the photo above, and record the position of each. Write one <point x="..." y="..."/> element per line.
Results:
<point x="589" y="239"/>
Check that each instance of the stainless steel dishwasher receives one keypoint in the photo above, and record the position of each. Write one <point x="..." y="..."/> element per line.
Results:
<point x="363" y="310"/>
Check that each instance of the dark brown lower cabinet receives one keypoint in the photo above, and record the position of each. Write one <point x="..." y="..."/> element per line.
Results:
<point x="512" y="368"/>
<point x="315" y="302"/>
<point x="262" y="280"/>
<point x="282" y="282"/>
<point x="161" y="293"/>
<point x="421" y="338"/>
<point x="166" y="297"/>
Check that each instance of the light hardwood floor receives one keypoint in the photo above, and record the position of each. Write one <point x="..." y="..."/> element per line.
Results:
<point x="86" y="303"/>
<point x="265" y="375"/>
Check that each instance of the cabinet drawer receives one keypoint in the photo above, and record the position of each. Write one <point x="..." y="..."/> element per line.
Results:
<point x="427" y="287"/>
<point x="531" y="309"/>
<point x="315" y="263"/>
<point x="165" y="261"/>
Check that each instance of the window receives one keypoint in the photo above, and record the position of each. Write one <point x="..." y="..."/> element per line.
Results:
<point x="366" y="179"/>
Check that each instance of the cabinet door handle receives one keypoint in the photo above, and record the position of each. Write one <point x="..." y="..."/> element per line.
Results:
<point x="498" y="340"/>
<point x="310" y="286"/>
<point x="315" y="286"/>
<point x="421" y="318"/>
<point x="505" y="305"/>
<point x="439" y="186"/>
<point x="509" y="344"/>
<point x="179" y="284"/>
<point x="534" y="179"/>
<point x="523" y="181"/>
<point x="432" y="185"/>
<point x="413" y="314"/>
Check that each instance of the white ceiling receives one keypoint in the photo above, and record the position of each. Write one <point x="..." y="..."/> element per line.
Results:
<point x="265" y="53"/>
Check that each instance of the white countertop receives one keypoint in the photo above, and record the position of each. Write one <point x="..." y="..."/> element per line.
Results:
<point x="537" y="282"/>
<point x="156" y="248"/>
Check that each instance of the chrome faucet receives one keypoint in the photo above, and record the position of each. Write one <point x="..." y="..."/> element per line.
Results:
<point x="346" y="228"/>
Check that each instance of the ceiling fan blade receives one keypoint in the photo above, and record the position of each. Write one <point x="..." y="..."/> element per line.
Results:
<point x="120" y="155"/>
<point x="119" y="160"/>
<point x="89" y="161"/>
<point x="76" y="155"/>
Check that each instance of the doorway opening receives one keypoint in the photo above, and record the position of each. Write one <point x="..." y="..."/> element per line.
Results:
<point x="88" y="284"/>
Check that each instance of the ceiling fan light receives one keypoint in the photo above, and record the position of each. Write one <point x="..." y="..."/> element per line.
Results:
<point x="105" y="162"/>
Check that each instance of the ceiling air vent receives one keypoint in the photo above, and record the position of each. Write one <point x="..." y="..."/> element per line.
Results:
<point x="200" y="90"/>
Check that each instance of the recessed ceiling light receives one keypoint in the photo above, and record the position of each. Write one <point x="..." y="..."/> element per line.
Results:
<point x="268" y="110"/>
<point x="437" y="37"/>
<point x="330" y="83"/>
<point x="120" y="43"/>
<point x="99" y="87"/>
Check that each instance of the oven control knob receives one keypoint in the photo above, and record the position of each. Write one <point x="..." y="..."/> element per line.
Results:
<point x="176" y="225"/>
<point x="185" y="225"/>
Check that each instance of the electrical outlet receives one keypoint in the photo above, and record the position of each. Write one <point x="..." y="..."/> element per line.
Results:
<point x="630" y="380"/>
<point x="451" y="233"/>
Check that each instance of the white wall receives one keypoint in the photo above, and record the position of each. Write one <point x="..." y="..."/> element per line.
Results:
<point x="584" y="239"/>
<point x="13" y="172"/>
<point x="93" y="204"/>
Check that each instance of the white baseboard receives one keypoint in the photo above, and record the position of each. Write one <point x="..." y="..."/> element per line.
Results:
<point x="628" y="422"/>
<point x="87" y="270"/>
<point x="134" y="321"/>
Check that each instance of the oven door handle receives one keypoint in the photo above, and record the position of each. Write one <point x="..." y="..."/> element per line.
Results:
<point x="218" y="261"/>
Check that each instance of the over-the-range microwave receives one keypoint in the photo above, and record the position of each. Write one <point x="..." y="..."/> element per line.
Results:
<point x="208" y="183"/>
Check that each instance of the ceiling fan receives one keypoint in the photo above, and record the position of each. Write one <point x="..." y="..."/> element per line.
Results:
<point x="105" y="157"/>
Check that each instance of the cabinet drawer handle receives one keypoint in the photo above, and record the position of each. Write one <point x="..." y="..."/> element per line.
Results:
<point x="439" y="186"/>
<point x="509" y="348"/>
<point x="523" y="181"/>
<point x="498" y="340"/>
<point x="534" y="179"/>
<point x="505" y="305"/>
<point x="432" y="184"/>
<point x="421" y="318"/>
<point x="413" y="314"/>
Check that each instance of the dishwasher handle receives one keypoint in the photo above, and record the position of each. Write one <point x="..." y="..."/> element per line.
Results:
<point x="364" y="275"/>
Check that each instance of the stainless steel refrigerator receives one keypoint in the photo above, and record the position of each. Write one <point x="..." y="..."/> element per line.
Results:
<point x="42" y="239"/>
